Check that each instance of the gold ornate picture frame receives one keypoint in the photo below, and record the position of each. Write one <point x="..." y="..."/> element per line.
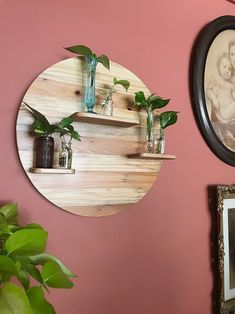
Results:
<point x="226" y="247"/>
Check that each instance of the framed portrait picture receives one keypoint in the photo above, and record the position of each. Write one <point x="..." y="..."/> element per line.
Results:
<point x="212" y="83"/>
<point x="226" y="248"/>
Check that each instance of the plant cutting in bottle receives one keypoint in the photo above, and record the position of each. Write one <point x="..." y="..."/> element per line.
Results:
<point x="87" y="52"/>
<point x="22" y="257"/>
<point x="44" y="146"/>
<point x="92" y="60"/>
<point x="124" y="83"/>
<point x="149" y="104"/>
<point x="41" y="126"/>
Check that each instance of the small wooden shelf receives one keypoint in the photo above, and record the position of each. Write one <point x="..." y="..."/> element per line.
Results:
<point x="152" y="156"/>
<point x="105" y="120"/>
<point x="52" y="170"/>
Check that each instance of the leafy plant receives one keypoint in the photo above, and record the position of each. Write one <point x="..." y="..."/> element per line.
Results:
<point x="22" y="257"/>
<point x="87" y="52"/>
<point x="124" y="83"/>
<point x="41" y="126"/>
<point x="153" y="102"/>
<point x="65" y="127"/>
<point x="108" y="93"/>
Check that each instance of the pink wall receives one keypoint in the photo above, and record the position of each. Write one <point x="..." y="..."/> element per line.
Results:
<point x="153" y="258"/>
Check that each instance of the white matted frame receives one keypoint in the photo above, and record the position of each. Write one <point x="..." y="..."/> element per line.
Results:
<point x="226" y="247"/>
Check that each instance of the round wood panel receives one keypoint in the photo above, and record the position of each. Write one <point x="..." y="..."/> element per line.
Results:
<point x="108" y="177"/>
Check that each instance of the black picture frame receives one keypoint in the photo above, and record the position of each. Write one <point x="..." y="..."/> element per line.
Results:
<point x="206" y="38"/>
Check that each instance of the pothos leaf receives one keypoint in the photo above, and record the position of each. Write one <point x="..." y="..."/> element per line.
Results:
<point x="104" y="60"/>
<point x="124" y="83"/>
<point x="65" y="122"/>
<point x="80" y="49"/>
<point x="140" y="98"/>
<point x="168" y="118"/>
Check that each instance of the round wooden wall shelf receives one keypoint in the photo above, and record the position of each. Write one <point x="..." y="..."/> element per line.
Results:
<point x="109" y="172"/>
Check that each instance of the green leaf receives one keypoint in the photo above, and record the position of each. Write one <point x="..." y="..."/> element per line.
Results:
<point x="7" y="265"/>
<point x="38" y="302"/>
<point x="42" y="125"/>
<point x="168" y="118"/>
<point x="23" y="279"/>
<point x="75" y="135"/>
<point x="39" y="127"/>
<point x="10" y="212"/>
<point x="33" y="226"/>
<point x="80" y="49"/>
<point x="54" y="276"/>
<point x="13" y="300"/>
<point x="104" y="60"/>
<point x="140" y="98"/>
<point x="26" y="242"/>
<point x="158" y="102"/>
<point x="4" y="227"/>
<point x="70" y="128"/>
<point x="26" y="264"/>
<point x="42" y="259"/>
<point x="124" y="83"/>
<point x="66" y="122"/>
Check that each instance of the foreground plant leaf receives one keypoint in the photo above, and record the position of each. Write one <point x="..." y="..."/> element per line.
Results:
<point x="7" y="265"/>
<point x="10" y="212"/>
<point x="42" y="259"/>
<point x="26" y="242"/>
<point x="38" y="302"/>
<point x="54" y="276"/>
<point x="13" y="300"/>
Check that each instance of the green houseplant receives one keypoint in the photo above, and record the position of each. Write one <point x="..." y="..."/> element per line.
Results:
<point x="107" y="103"/>
<point x="67" y="133"/>
<point x="44" y="142"/>
<point x="22" y="258"/>
<point x="167" y="118"/>
<point x="92" y="60"/>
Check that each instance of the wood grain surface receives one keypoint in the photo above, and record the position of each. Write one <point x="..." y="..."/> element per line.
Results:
<point x="107" y="178"/>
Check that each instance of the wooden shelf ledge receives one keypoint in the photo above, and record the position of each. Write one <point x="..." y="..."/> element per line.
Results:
<point x="104" y="120"/>
<point x="52" y="170"/>
<point x="152" y="156"/>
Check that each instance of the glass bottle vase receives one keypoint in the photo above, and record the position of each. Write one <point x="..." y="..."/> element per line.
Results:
<point x="150" y="132"/>
<point x="90" y="98"/>
<point x="160" y="143"/>
<point x="107" y="106"/>
<point x="65" y="155"/>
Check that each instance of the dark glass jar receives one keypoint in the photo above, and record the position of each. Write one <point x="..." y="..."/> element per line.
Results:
<point x="44" y="149"/>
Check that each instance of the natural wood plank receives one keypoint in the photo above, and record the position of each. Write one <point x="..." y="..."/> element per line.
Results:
<point x="104" y="120"/>
<point x="152" y="156"/>
<point x="106" y="181"/>
<point x="52" y="170"/>
<point x="97" y="211"/>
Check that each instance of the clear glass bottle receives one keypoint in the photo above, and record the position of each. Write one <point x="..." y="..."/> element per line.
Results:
<point x="150" y="132"/>
<point x="65" y="155"/>
<point x="107" y="106"/>
<point x="160" y="143"/>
